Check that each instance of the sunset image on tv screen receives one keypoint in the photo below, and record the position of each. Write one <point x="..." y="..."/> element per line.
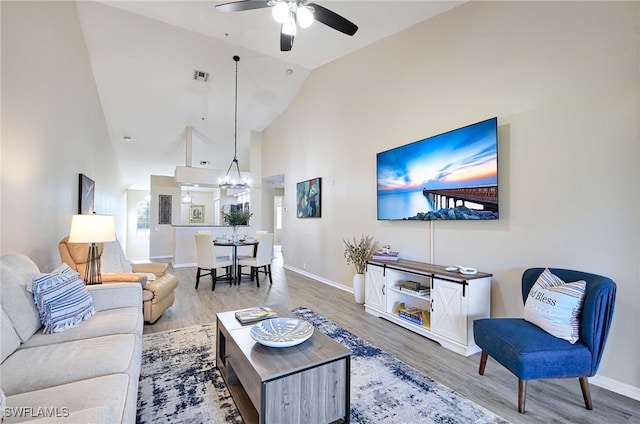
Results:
<point x="453" y="175"/>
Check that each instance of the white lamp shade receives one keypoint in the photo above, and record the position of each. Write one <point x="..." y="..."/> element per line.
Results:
<point x="92" y="228"/>
<point x="305" y="17"/>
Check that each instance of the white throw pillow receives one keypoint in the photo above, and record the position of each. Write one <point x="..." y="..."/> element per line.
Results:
<point x="555" y="306"/>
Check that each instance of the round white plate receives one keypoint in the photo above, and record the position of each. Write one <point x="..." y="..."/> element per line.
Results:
<point x="281" y="332"/>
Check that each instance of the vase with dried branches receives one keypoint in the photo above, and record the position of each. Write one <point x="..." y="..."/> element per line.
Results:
<point x="358" y="253"/>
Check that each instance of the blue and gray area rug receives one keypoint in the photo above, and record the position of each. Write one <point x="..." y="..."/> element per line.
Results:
<point x="180" y="384"/>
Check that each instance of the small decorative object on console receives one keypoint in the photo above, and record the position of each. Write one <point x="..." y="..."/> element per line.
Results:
<point x="385" y="256"/>
<point x="247" y="316"/>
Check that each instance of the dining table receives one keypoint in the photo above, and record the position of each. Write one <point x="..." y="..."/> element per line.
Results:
<point x="234" y="252"/>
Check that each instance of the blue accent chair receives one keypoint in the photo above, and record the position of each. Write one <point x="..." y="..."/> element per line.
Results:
<point x="531" y="353"/>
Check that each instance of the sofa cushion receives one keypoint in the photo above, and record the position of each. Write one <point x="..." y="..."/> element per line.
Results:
<point x="555" y="306"/>
<point x="530" y="352"/>
<point x="10" y="340"/>
<point x="62" y="300"/>
<point x="40" y="367"/>
<point x="103" y="323"/>
<point x="16" y="270"/>
<point x="97" y="400"/>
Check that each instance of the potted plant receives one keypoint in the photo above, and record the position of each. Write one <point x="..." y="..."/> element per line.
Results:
<point x="235" y="218"/>
<point x="358" y="253"/>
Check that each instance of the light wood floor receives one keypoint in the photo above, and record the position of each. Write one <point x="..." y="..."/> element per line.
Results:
<point x="549" y="401"/>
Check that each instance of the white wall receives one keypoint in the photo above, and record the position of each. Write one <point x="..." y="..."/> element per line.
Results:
<point x="563" y="80"/>
<point x="53" y="128"/>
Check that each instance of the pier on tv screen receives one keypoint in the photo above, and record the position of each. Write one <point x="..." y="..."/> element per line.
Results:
<point x="453" y="175"/>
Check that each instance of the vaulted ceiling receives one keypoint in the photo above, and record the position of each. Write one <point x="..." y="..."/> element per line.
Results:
<point x="144" y="54"/>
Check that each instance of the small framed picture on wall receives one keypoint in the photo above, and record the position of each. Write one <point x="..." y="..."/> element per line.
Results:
<point x="196" y="214"/>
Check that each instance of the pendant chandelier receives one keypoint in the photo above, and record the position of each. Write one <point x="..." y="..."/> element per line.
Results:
<point x="187" y="198"/>
<point x="229" y="181"/>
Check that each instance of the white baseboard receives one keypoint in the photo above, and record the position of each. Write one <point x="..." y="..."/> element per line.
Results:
<point x="616" y="386"/>
<point x="318" y="278"/>
<point x="161" y="257"/>
<point x="597" y="380"/>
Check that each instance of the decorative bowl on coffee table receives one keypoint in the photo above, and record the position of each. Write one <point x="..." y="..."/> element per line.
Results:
<point x="281" y="332"/>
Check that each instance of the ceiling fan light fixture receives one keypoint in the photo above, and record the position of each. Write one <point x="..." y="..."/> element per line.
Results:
<point x="280" y="12"/>
<point x="289" y="25"/>
<point x="304" y="16"/>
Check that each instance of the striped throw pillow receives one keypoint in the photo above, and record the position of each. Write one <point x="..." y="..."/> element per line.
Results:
<point x="555" y="306"/>
<point x="62" y="300"/>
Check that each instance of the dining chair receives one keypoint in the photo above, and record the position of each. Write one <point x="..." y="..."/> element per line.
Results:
<point x="532" y="353"/>
<point x="262" y="261"/>
<point x="260" y="233"/>
<point x="208" y="261"/>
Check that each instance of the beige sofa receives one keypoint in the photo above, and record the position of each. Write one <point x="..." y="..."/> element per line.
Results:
<point x="86" y="374"/>
<point x="157" y="295"/>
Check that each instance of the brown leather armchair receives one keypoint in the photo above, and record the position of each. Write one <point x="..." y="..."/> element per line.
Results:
<point x="157" y="295"/>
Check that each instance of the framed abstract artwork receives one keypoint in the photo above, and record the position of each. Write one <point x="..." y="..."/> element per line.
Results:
<point x="308" y="198"/>
<point x="86" y="195"/>
<point x="164" y="214"/>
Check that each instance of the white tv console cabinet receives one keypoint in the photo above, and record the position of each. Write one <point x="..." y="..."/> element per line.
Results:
<point x="454" y="302"/>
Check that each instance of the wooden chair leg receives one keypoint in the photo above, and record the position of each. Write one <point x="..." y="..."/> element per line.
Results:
<point x="268" y="268"/>
<point x="483" y="362"/>
<point x="197" y="278"/>
<point x="586" y="393"/>
<point x="522" y="394"/>
<point x="229" y="274"/>
<point x="213" y="279"/>
<point x="255" y="270"/>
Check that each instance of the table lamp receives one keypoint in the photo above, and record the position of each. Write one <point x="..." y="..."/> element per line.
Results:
<point x="92" y="229"/>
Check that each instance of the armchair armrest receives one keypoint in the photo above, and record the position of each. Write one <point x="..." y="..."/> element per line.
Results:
<point x="156" y="268"/>
<point x="163" y="286"/>
<point x="109" y="278"/>
<point x="116" y="295"/>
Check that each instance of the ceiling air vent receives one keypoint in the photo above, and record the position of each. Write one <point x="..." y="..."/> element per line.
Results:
<point x="200" y="75"/>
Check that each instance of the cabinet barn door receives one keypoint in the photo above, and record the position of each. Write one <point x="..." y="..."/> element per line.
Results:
<point x="374" y="292"/>
<point x="449" y="311"/>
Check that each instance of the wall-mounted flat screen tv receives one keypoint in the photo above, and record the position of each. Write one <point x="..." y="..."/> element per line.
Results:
<point x="449" y="176"/>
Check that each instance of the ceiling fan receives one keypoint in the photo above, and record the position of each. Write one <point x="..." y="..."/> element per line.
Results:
<point x="289" y="12"/>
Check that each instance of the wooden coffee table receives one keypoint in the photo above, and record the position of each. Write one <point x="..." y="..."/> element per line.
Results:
<point x="307" y="383"/>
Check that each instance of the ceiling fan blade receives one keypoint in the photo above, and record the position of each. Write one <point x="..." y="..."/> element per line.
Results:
<point x="239" y="6"/>
<point x="333" y="20"/>
<point x="286" y="41"/>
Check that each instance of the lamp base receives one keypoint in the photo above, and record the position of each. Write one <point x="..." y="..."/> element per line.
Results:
<point x="92" y="273"/>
